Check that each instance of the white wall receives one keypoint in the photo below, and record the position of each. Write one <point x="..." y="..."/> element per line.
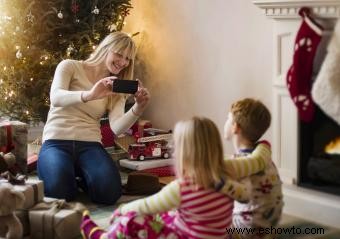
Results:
<point x="202" y="55"/>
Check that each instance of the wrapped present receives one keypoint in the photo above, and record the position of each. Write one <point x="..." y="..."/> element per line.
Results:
<point x="32" y="189"/>
<point x="57" y="219"/>
<point x="23" y="217"/>
<point x="108" y="137"/>
<point x="138" y="128"/>
<point x="147" y="164"/>
<point x="13" y="138"/>
<point x="160" y="171"/>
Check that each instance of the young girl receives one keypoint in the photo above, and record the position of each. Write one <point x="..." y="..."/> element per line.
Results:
<point x="203" y="194"/>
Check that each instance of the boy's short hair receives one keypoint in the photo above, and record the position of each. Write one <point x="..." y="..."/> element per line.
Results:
<point x="252" y="116"/>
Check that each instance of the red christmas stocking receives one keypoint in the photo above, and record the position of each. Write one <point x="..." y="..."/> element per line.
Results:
<point x="300" y="73"/>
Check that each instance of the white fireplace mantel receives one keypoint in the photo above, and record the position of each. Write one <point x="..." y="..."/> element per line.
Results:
<point x="290" y="8"/>
<point x="309" y="204"/>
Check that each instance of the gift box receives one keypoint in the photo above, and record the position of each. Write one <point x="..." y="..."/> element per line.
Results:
<point x="33" y="191"/>
<point x="58" y="220"/>
<point x="108" y="137"/>
<point x="160" y="171"/>
<point x="24" y="219"/>
<point x="13" y="138"/>
<point x="138" y="128"/>
<point x="147" y="164"/>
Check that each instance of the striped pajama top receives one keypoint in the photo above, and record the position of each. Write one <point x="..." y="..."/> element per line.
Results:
<point x="203" y="213"/>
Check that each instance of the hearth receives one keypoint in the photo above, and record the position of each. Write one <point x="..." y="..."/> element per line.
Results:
<point x="319" y="156"/>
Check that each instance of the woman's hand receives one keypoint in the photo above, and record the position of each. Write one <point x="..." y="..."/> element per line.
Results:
<point x="101" y="89"/>
<point x="142" y="97"/>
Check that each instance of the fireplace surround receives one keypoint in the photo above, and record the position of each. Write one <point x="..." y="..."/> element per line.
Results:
<point x="300" y="200"/>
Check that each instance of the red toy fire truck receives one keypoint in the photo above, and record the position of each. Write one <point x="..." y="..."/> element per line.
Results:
<point x="150" y="147"/>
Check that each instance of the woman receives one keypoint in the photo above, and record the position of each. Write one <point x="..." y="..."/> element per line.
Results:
<point x="81" y="93"/>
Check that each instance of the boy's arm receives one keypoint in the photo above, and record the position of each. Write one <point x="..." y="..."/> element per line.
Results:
<point x="255" y="162"/>
<point x="168" y="198"/>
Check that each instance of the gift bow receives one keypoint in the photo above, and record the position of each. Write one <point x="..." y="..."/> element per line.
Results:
<point x="17" y="179"/>
<point x="58" y="205"/>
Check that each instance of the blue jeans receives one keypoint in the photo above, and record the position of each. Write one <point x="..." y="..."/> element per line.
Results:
<point x="60" y="162"/>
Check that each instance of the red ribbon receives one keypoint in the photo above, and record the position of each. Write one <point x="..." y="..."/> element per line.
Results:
<point x="9" y="146"/>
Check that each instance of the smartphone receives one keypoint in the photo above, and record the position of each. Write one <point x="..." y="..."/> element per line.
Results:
<point x="125" y="86"/>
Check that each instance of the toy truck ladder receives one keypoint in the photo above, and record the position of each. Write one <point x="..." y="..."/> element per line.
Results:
<point x="154" y="138"/>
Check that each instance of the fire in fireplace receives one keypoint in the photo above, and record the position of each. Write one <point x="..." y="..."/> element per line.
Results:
<point x="319" y="166"/>
<point x="333" y="147"/>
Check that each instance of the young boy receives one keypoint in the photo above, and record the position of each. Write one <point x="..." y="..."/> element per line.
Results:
<point x="247" y="121"/>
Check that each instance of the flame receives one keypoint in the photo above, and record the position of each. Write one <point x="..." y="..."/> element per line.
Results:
<point x="333" y="147"/>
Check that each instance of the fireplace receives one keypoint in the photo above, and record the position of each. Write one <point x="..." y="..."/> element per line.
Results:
<point x="293" y="142"/>
<point x="318" y="168"/>
<point x="319" y="154"/>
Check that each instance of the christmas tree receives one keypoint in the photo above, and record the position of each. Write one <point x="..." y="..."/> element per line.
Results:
<point x="36" y="35"/>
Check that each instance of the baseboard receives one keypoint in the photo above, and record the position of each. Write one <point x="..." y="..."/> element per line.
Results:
<point x="311" y="205"/>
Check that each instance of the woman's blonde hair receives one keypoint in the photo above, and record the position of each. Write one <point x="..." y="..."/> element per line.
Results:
<point x="118" y="42"/>
<point x="199" y="151"/>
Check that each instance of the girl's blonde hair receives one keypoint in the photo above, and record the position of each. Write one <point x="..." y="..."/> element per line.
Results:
<point x="199" y="151"/>
<point x="118" y="42"/>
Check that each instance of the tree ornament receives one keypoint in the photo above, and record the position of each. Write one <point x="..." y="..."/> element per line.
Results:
<point x="60" y="15"/>
<point x="95" y="10"/>
<point x="70" y="49"/>
<point x="75" y="7"/>
<point x="125" y="12"/>
<point x="112" y="27"/>
<point x="96" y="36"/>
<point x="30" y="17"/>
<point x="18" y="54"/>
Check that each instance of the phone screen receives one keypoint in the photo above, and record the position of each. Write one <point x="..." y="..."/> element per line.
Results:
<point x="125" y="86"/>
